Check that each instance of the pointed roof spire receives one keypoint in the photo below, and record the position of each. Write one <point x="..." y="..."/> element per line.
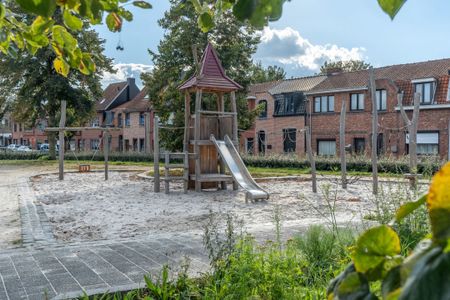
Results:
<point x="211" y="74"/>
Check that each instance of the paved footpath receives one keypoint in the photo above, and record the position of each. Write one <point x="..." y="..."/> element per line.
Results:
<point x="46" y="269"/>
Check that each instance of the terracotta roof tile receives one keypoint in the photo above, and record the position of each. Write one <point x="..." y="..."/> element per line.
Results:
<point x="302" y="84"/>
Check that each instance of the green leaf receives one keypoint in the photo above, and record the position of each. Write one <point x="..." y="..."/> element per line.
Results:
<point x="36" y="40"/>
<point x="41" y="25"/>
<point x="374" y="248"/>
<point x="72" y="21"/>
<point x="430" y="278"/>
<point x="87" y="65"/>
<point x="350" y="285"/>
<point x="45" y="8"/>
<point x="391" y="7"/>
<point x="126" y="14"/>
<point x="244" y="9"/>
<point x="2" y="11"/>
<point x="114" y="22"/>
<point x="391" y="282"/>
<point x="142" y="4"/>
<point x="205" y="21"/>
<point x="408" y="208"/>
<point x="61" y="66"/>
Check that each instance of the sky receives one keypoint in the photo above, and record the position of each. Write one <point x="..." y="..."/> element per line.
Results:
<point x="309" y="33"/>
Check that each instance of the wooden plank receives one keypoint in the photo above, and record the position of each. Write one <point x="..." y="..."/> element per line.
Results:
<point x="187" y="116"/>
<point x="62" y="123"/>
<point x="198" y="103"/>
<point x="342" y="146"/>
<point x="311" y="159"/>
<point x="373" y="96"/>
<point x="106" y="152"/>
<point x="56" y="129"/>
<point x="221" y="108"/>
<point x="147" y="139"/>
<point x="222" y="113"/>
<point x="156" y="179"/>
<point x="174" y="166"/>
<point x="166" y="172"/>
<point x="186" y="172"/>
<point x="214" y="178"/>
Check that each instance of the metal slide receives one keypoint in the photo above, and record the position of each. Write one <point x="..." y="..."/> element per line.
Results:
<point x="238" y="170"/>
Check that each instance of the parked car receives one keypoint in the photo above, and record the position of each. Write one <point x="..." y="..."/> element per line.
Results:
<point x="24" y="149"/>
<point x="45" y="148"/>
<point x="12" y="147"/>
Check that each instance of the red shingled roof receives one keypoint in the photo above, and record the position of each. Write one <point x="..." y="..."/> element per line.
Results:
<point x="109" y="94"/>
<point x="140" y="103"/>
<point x="263" y="87"/>
<point x="212" y="75"/>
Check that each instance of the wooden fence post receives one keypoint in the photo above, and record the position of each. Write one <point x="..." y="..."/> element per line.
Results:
<point x="62" y="124"/>
<point x="156" y="154"/>
<point x="311" y="159"/>
<point x="373" y="96"/>
<point x="342" y="146"/>
<point x="106" y="152"/>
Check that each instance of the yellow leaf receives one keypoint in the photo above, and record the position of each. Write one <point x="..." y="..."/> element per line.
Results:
<point x="61" y="66"/>
<point x="439" y="195"/>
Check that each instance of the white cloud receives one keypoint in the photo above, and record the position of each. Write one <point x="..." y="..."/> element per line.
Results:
<point x="286" y="47"/>
<point x="124" y="71"/>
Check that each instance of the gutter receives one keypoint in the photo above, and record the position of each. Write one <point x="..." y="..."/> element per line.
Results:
<point x="425" y="107"/>
<point x="362" y="88"/>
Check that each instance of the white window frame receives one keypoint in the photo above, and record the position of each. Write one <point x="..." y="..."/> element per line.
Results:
<point x="360" y="99"/>
<point x="326" y="154"/>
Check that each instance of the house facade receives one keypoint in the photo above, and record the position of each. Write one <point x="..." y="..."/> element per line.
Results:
<point x="5" y="131"/>
<point x="21" y="134"/>
<point x="323" y="104"/>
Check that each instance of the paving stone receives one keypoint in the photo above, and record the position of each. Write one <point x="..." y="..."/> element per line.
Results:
<point x="142" y="261"/>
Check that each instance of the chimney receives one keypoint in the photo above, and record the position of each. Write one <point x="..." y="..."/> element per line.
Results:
<point x="334" y="71"/>
<point x="131" y="81"/>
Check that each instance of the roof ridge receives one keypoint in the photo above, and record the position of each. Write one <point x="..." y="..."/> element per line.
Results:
<point x="304" y="77"/>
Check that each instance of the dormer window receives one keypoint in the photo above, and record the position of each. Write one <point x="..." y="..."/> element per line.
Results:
<point x="426" y="88"/>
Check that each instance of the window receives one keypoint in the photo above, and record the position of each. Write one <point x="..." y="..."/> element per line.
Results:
<point x="141" y="119"/>
<point x="326" y="147"/>
<point x="119" y="120"/>
<point x="135" y="145"/>
<point x="356" y="102"/>
<point x="15" y="127"/>
<point x="427" y="143"/>
<point x="141" y="145"/>
<point x="448" y="92"/>
<point x="249" y="146"/>
<point x="360" y="145"/>
<point x="289" y="140"/>
<point x="127" y="119"/>
<point x="263" y="106"/>
<point x="381" y="99"/>
<point x="261" y="142"/>
<point x="289" y="104"/>
<point x="95" y="144"/>
<point x="96" y="122"/>
<point x="324" y="104"/>
<point x="426" y="90"/>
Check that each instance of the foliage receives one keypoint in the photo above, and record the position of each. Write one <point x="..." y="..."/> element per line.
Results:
<point x="424" y="274"/>
<point x="344" y="66"/>
<point x="35" y="90"/>
<point x="235" y="43"/>
<point x="271" y="73"/>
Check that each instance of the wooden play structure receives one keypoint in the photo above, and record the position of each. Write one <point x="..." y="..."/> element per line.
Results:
<point x="210" y="134"/>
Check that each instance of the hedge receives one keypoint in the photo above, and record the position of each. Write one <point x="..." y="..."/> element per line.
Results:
<point x="426" y="166"/>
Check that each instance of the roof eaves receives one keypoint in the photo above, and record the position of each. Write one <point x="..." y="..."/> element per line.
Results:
<point x="339" y="90"/>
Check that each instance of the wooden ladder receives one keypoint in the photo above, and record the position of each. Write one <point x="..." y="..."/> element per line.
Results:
<point x="168" y="166"/>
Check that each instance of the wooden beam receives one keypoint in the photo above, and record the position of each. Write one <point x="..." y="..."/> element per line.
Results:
<point x="198" y="104"/>
<point x="166" y="172"/>
<point x="147" y="139"/>
<point x="342" y="146"/>
<point x="221" y="108"/>
<point x="106" y="137"/>
<point x="235" y="128"/>
<point x="156" y="188"/>
<point x="62" y="123"/>
<point x="373" y="97"/>
<point x="311" y="159"/>
<point x="187" y="119"/>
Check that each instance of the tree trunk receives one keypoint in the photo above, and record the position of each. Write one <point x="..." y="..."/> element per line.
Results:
<point x="311" y="159"/>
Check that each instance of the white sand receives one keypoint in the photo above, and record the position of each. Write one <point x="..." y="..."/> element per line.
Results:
<point x="85" y="207"/>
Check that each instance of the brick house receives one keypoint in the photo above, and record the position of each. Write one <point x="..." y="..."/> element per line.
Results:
<point x="115" y="95"/>
<point x="132" y="117"/>
<point x="5" y="131"/>
<point x="430" y="78"/>
<point x="279" y="127"/>
<point x="28" y="136"/>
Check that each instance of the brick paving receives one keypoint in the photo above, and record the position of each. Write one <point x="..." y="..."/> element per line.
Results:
<point x="46" y="269"/>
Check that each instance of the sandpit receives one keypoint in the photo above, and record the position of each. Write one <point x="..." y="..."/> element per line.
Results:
<point x="85" y="207"/>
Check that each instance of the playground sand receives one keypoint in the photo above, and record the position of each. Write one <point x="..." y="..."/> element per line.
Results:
<point x="85" y="207"/>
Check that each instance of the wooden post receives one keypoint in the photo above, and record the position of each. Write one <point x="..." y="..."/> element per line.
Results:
<point x="156" y="154"/>
<point x="221" y="108"/>
<point x="62" y="124"/>
<point x="311" y="159"/>
<point x="235" y="128"/>
<point x="106" y="137"/>
<point x="373" y="96"/>
<point x="186" y="172"/>
<point x="342" y="146"/>
<point x="187" y="119"/>
<point x="147" y="139"/>
<point x="166" y="172"/>
<point x="198" y="103"/>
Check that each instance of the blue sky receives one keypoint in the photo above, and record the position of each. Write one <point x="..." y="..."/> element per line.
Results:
<point x="309" y="33"/>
